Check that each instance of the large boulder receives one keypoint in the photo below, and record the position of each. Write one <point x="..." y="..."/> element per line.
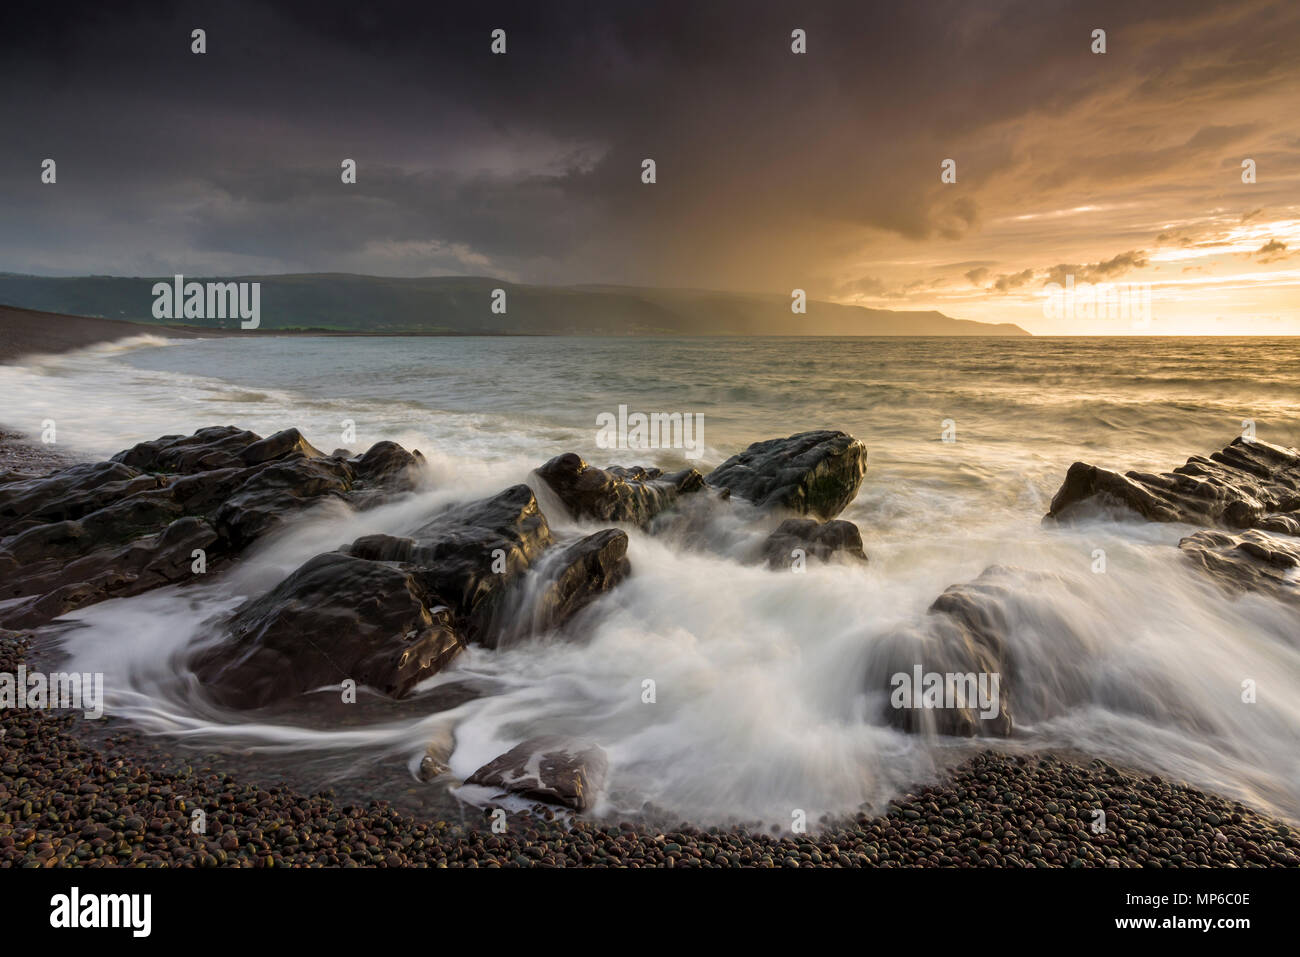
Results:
<point x="550" y="768"/>
<point x="494" y="562"/>
<point x="335" y="618"/>
<point x="836" y="540"/>
<point x="389" y="466"/>
<point x="1249" y="484"/>
<point x="616" y="494"/>
<point x="812" y="473"/>
<point x="217" y="447"/>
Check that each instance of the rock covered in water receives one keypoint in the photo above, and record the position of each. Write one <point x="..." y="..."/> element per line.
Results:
<point x="396" y="610"/>
<point x="836" y="540"/>
<point x="473" y="555"/>
<point x="1252" y="561"/>
<point x="569" y="578"/>
<point x="616" y="494"/>
<point x="389" y="464"/>
<point x="335" y="618"/>
<point x="116" y="528"/>
<point x="1249" y="484"/>
<point x="551" y="768"/>
<point x="392" y="610"/>
<point x="812" y="473"/>
<point x="962" y="634"/>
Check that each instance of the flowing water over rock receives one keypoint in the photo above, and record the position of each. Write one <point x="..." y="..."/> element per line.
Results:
<point x="716" y="682"/>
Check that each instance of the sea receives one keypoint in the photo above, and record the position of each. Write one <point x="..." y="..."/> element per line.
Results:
<point x="762" y="705"/>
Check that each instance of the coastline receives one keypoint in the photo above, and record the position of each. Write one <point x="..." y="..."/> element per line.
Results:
<point x="998" y="809"/>
<point x="32" y="332"/>
<point x="29" y="331"/>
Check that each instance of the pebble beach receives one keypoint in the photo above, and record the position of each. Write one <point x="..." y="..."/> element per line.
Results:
<point x="64" y="802"/>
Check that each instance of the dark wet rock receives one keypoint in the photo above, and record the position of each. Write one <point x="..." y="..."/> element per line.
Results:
<point x="1249" y="484"/>
<point x="335" y="618"/>
<point x="288" y="443"/>
<point x="68" y="494"/>
<point x="466" y="570"/>
<point x="95" y="531"/>
<point x="569" y="579"/>
<point x="472" y="555"/>
<point x="812" y="473"/>
<point x="387" y="461"/>
<point x="1252" y="561"/>
<point x="583" y="571"/>
<point x="551" y="768"/>
<point x="476" y="558"/>
<point x="616" y="494"/>
<point x="963" y="633"/>
<point x="836" y="540"/>
<point x="58" y="586"/>
<point x="218" y="447"/>
<point x="272" y="493"/>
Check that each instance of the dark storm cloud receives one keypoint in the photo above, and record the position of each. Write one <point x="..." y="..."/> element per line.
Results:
<point x="527" y="165"/>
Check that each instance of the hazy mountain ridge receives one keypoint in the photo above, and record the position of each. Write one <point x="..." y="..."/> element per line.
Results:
<point x="462" y="305"/>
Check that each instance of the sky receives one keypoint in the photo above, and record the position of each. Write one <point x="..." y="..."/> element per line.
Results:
<point x="774" y="170"/>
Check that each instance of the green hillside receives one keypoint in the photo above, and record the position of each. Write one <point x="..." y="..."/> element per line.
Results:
<point x="462" y="306"/>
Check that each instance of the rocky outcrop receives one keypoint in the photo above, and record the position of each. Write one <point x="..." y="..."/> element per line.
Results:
<point x="836" y="540"/>
<point x="616" y="494"/>
<point x="69" y="494"/>
<point x="385" y="611"/>
<point x="389" y="611"/>
<point x="1252" y="561"/>
<point x="117" y="528"/>
<point x="552" y="769"/>
<point x="812" y="473"/>
<point x="58" y="584"/>
<point x="1250" y="484"/>
<point x="266" y="496"/>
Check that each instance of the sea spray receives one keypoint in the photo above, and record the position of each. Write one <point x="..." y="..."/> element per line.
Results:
<point x="770" y="687"/>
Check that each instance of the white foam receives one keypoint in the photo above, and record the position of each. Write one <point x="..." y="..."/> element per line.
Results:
<point x="762" y="706"/>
